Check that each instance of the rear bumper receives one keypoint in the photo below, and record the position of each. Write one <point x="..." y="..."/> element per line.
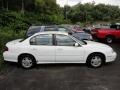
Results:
<point x="10" y="57"/>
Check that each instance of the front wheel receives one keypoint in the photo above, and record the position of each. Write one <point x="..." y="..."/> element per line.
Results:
<point x="95" y="61"/>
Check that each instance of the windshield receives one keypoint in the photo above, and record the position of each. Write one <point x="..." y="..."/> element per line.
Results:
<point x="82" y="42"/>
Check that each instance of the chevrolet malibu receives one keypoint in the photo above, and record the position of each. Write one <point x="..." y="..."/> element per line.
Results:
<point x="57" y="47"/>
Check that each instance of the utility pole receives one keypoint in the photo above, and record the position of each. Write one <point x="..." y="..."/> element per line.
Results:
<point x="66" y="10"/>
<point x="86" y="16"/>
<point x="22" y="9"/>
<point x="2" y="4"/>
<point x="7" y="5"/>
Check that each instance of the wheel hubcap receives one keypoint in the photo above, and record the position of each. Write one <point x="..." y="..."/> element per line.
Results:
<point x="109" y="40"/>
<point x="27" y="62"/>
<point x="96" y="61"/>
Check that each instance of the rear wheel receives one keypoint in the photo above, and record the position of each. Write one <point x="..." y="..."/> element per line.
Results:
<point x="109" y="39"/>
<point x="95" y="60"/>
<point x="27" y="61"/>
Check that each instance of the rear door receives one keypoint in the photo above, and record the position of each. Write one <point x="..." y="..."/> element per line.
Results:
<point x="42" y="48"/>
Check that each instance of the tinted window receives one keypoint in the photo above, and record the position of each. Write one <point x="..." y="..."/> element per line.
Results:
<point x="113" y="26"/>
<point x="118" y="27"/>
<point x="62" y="29"/>
<point x="50" y="28"/>
<point x="63" y="40"/>
<point x="33" y="31"/>
<point x="41" y="40"/>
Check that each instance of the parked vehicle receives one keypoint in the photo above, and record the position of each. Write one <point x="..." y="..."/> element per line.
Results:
<point x="74" y="28"/>
<point x="87" y="30"/>
<point x="107" y="34"/>
<point x="80" y="35"/>
<point x="35" y="29"/>
<point x="57" y="47"/>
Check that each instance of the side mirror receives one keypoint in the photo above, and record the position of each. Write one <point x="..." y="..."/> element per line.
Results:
<point x="77" y="45"/>
<point x="70" y="33"/>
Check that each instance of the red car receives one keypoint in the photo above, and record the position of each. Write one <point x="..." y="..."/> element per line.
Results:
<point x="107" y="34"/>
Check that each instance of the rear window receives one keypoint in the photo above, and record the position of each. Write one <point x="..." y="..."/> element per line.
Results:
<point x="115" y="26"/>
<point x="33" y="31"/>
<point x="50" y="28"/>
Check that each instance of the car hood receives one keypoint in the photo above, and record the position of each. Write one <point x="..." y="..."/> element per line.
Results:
<point x="97" y="45"/>
<point x="13" y="42"/>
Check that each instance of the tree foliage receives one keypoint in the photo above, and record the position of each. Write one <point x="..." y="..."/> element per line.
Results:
<point x="90" y="12"/>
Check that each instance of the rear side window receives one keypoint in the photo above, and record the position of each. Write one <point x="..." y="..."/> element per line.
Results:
<point x="50" y="28"/>
<point x="43" y="39"/>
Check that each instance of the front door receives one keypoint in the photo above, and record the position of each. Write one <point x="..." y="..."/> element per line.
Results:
<point x="118" y="32"/>
<point x="66" y="50"/>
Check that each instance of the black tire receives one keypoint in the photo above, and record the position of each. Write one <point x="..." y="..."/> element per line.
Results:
<point x="109" y="39"/>
<point x="30" y="58"/>
<point x="90" y="60"/>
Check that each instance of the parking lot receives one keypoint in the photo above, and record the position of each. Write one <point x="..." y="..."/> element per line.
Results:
<point x="63" y="76"/>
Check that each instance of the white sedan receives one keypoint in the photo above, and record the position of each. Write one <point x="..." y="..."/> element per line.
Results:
<point x="57" y="47"/>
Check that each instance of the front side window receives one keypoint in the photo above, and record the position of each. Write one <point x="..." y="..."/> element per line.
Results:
<point x="43" y="39"/>
<point x="63" y="40"/>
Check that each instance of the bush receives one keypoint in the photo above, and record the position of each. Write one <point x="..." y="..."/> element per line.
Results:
<point x="7" y="35"/>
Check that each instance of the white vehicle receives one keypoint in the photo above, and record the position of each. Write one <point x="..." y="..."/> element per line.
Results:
<point x="57" y="47"/>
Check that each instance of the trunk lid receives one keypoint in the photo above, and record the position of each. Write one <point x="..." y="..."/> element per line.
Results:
<point x="13" y="42"/>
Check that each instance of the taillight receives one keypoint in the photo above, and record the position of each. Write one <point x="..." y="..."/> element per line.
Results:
<point x="6" y="48"/>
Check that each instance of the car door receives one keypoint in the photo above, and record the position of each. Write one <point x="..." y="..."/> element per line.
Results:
<point x="42" y="47"/>
<point x="115" y="30"/>
<point x="66" y="51"/>
<point x="118" y="32"/>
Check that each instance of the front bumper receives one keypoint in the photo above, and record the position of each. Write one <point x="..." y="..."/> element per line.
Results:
<point x="112" y="57"/>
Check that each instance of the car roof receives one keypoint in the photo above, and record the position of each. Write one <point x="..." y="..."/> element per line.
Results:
<point x="52" y="32"/>
<point x="32" y="27"/>
<point x="42" y="26"/>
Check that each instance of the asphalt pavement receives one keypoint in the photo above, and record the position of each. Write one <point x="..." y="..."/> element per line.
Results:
<point x="62" y="76"/>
